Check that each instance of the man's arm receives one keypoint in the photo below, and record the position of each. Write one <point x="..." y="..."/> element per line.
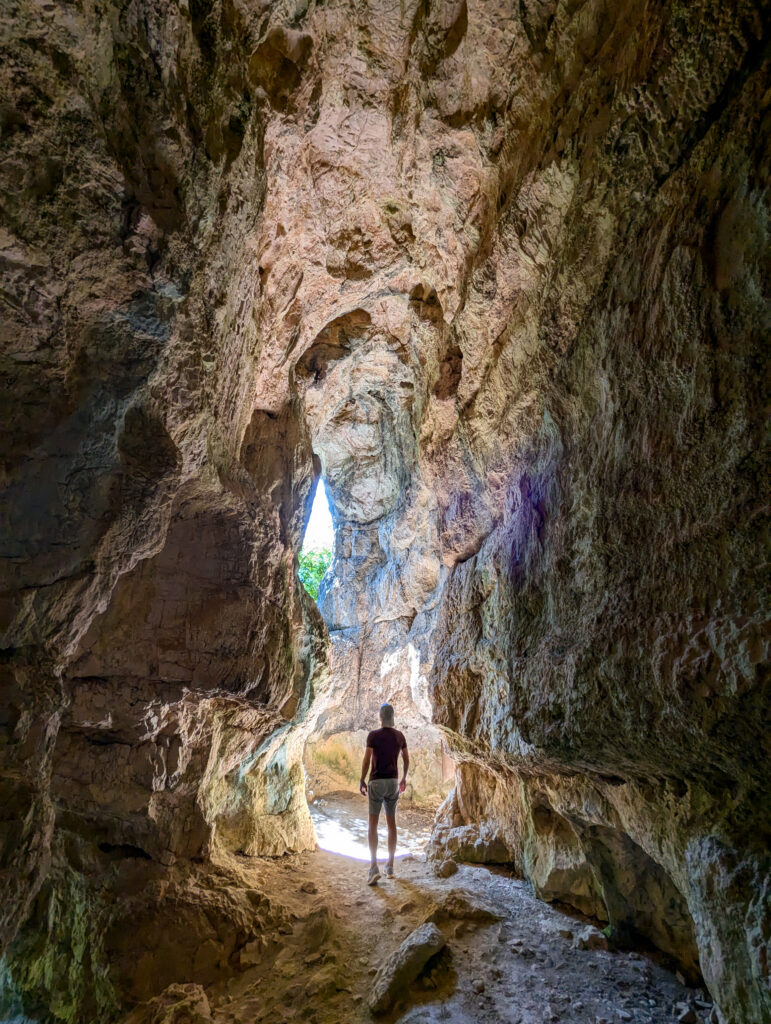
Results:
<point x="406" y="759"/>
<point x="364" y="769"/>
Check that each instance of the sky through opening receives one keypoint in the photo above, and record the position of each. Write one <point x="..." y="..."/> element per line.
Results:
<point x="320" y="533"/>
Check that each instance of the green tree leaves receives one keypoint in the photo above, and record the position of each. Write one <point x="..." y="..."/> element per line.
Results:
<point x="313" y="565"/>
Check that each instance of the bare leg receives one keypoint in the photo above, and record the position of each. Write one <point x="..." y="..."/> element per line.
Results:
<point x="373" y="819"/>
<point x="391" y="823"/>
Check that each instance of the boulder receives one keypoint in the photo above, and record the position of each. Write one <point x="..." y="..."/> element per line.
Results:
<point x="404" y="965"/>
<point x="461" y="906"/>
<point x="446" y="869"/>
<point x="591" y="938"/>
<point x="472" y="844"/>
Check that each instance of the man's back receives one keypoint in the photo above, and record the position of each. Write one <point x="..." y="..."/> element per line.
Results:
<point x="386" y="743"/>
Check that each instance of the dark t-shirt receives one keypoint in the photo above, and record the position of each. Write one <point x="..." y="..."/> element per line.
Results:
<point x="386" y="744"/>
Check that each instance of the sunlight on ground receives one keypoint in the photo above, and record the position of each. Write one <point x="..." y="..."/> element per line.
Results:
<point x="320" y="533"/>
<point x="343" y="830"/>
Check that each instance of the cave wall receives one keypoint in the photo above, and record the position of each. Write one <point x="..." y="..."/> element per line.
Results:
<point x="610" y="619"/>
<point x="156" y="642"/>
<point x="503" y="268"/>
<point x="561" y="212"/>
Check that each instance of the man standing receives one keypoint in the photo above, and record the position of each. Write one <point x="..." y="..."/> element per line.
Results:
<point x="382" y="754"/>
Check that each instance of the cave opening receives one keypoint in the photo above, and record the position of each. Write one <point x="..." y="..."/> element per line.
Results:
<point x="318" y="546"/>
<point x="333" y="758"/>
<point x="371" y="658"/>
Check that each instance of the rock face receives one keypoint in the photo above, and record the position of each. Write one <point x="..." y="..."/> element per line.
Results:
<point x="404" y="965"/>
<point x="500" y="272"/>
<point x="156" y="640"/>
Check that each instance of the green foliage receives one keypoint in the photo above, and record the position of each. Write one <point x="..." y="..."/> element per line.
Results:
<point x="335" y="756"/>
<point x="313" y="565"/>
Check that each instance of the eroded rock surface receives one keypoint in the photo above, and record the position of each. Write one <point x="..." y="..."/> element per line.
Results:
<point x="156" y="641"/>
<point x="500" y="272"/>
<point x="404" y="965"/>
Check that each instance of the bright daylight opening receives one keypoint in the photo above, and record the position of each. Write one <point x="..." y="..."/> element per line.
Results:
<point x="338" y="810"/>
<point x="318" y="543"/>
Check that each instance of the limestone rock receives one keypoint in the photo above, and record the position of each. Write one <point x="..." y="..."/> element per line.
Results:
<point x="402" y="967"/>
<point x="687" y="1015"/>
<point x="446" y="869"/>
<point x="460" y="906"/>
<point x="590" y="938"/>
<point x="499" y="272"/>
<point x="473" y="844"/>
<point x="178" y="1004"/>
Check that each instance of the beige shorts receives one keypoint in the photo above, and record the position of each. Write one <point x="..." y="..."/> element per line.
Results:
<point x="383" y="791"/>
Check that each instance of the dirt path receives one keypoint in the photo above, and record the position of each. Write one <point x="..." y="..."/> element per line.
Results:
<point x="522" y="969"/>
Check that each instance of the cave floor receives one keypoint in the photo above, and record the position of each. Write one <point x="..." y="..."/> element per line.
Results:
<point x="521" y="969"/>
<point x="341" y="827"/>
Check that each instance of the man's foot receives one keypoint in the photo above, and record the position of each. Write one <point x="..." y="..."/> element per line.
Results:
<point x="389" y="871"/>
<point x="373" y="875"/>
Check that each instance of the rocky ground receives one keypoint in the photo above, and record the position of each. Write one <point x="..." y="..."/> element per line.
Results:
<point x="509" y="958"/>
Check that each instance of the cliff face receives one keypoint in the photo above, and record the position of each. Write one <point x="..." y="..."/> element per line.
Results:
<point x="503" y="268"/>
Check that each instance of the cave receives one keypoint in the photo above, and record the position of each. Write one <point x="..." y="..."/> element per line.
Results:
<point x="497" y="274"/>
